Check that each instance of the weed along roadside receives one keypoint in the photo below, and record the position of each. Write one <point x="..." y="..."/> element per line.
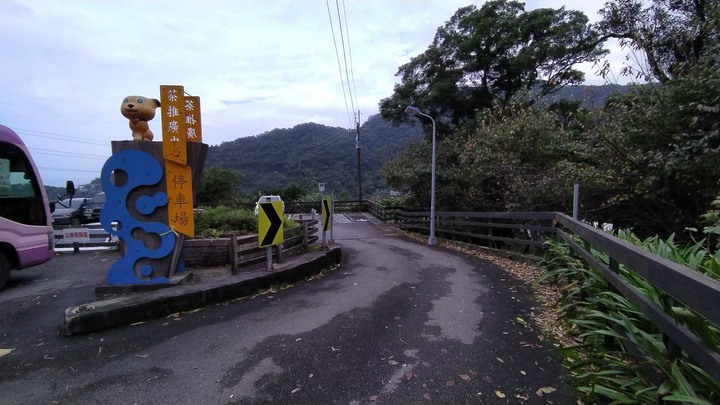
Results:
<point x="218" y="270"/>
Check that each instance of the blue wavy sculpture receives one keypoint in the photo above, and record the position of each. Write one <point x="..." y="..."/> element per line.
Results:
<point x="142" y="170"/>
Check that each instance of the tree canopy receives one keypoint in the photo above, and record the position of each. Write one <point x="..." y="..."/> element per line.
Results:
<point x="673" y="35"/>
<point x="648" y="160"/>
<point x="484" y="58"/>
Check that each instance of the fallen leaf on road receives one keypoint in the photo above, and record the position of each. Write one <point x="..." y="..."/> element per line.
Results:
<point x="500" y="360"/>
<point x="409" y="375"/>
<point x="298" y="339"/>
<point x="374" y="398"/>
<point x="295" y="390"/>
<point x="522" y="372"/>
<point x="5" y="351"/>
<point x="450" y="383"/>
<point x="545" y="390"/>
<point x="311" y="375"/>
<point x="426" y="396"/>
<point x="464" y="377"/>
<point x="48" y="357"/>
<point x="499" y="394"/>
<point x="393" y="362"/>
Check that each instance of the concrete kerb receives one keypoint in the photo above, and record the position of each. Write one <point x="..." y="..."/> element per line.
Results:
<point x="139" y="307"/>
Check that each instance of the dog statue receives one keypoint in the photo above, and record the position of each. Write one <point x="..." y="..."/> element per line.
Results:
<point x="139" y="110"/>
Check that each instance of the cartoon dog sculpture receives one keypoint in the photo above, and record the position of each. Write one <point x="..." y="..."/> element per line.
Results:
<point x="139" y="110"/>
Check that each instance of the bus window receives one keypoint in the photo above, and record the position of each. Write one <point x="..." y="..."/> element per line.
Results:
<point x="20" y="198"/>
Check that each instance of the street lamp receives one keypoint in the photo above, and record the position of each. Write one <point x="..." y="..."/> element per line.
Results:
<point x="413" y="111"/>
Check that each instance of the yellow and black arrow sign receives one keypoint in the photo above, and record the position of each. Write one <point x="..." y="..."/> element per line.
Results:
<point x="326" y="219"/>
<point x="270" y="224"/>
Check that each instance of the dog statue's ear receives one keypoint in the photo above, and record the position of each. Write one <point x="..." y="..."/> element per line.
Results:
<point x="157" y="102"/>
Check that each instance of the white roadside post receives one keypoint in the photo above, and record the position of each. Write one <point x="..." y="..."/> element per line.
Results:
<point x="321" y="186"/>
<point x="330" y="218"/>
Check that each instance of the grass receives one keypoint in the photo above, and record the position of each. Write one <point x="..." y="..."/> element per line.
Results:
<point x="622" y="357"/>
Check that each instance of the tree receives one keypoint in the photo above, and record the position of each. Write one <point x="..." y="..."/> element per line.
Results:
<point x="660" y="151"/>
<point x="217" y="187"/>
<point x="673" y="35"/>
<point x="485" y="58"/>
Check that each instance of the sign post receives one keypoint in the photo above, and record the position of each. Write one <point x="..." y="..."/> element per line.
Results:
<point x="180" y="124"/>
<point x="332" y="215"/>
<point x="270" y="225"/>
<point x="326" y="219"/>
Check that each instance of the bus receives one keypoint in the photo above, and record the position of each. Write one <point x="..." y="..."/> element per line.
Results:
<point x="26" y="233"/>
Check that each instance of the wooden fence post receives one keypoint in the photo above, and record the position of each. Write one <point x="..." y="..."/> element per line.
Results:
<point x="306" y="235"/>
<point x="233" y="254"/>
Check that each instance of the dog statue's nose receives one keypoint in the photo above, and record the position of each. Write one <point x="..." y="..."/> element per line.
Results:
<point x="131" y="105"/>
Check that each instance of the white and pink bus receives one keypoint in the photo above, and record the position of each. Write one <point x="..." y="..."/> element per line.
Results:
<point x="26" y="233"/>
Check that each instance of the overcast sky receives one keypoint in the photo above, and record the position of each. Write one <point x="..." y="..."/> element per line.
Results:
<point x="66" y="66"/>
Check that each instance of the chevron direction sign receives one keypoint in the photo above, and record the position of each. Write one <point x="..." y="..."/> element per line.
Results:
<point x="326" y="219"/>
<point x="270" y="223"/>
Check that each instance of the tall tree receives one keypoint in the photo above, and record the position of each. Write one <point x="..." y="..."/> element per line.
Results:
<point x="484" y="58"/>
<point x="674" y="35"/>
<point x="218" y="186"/>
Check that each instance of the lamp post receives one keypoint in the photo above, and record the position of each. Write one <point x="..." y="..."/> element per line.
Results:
<point x="413" y="111"/>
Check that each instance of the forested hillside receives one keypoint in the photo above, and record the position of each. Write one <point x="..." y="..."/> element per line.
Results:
<point x="311" y="153"/>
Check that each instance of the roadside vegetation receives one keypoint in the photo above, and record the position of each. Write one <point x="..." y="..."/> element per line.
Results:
<point x="606" y="331"/>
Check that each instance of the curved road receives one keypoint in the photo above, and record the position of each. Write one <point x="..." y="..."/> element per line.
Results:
<point x="397" y="323"/>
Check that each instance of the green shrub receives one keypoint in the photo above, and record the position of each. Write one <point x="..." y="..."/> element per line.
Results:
<point x="223" y="221"/>
<point x="611" y="328"/>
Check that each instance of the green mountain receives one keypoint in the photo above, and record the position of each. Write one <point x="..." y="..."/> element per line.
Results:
<point x="591" y="97"/>
<point x="310" y="153"/>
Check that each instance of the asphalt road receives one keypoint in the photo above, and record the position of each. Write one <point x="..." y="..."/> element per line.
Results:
<point x="397" y="323"/>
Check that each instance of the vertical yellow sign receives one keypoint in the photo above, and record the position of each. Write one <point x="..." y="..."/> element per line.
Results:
<point x="192" y="119"/>
<point x="172" y="101"/>
<point x="180" y="198"/>
<point x="326" y="214"/>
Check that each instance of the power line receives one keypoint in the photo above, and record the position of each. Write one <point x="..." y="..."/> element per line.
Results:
<point x="345" y="59"/>
<point x="337" y="56"/>
<point x="69" y="170"/>
<point x="352" y="70"/>
<point x="72" y="154"/>
<point x="51" y="135"/>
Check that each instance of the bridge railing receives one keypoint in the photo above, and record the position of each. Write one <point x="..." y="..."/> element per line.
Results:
<point x="687" y="288"/>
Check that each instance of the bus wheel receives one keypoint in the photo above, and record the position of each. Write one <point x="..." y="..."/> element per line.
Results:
<point x="4" y="270"/>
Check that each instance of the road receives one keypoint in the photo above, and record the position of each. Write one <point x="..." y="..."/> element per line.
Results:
<point x="397" y="323"/>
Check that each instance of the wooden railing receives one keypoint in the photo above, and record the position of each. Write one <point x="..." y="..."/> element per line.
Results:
<point x="520" y="232"/>
<point x="242" y="250"/>
<point x="688" y="287"/>
<point x="528" y="231"/>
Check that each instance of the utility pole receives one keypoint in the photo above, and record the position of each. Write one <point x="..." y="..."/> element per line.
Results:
<point x="357" y="149"/>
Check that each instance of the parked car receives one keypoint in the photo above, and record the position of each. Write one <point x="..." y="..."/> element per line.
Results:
<point x="70" y="212"/>
<point x="94" y="206"/>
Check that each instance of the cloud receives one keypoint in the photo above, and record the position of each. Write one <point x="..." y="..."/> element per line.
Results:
<point x="256" y="65"/>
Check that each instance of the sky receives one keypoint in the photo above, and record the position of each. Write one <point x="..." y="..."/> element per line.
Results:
<point x="66" y="66"/>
